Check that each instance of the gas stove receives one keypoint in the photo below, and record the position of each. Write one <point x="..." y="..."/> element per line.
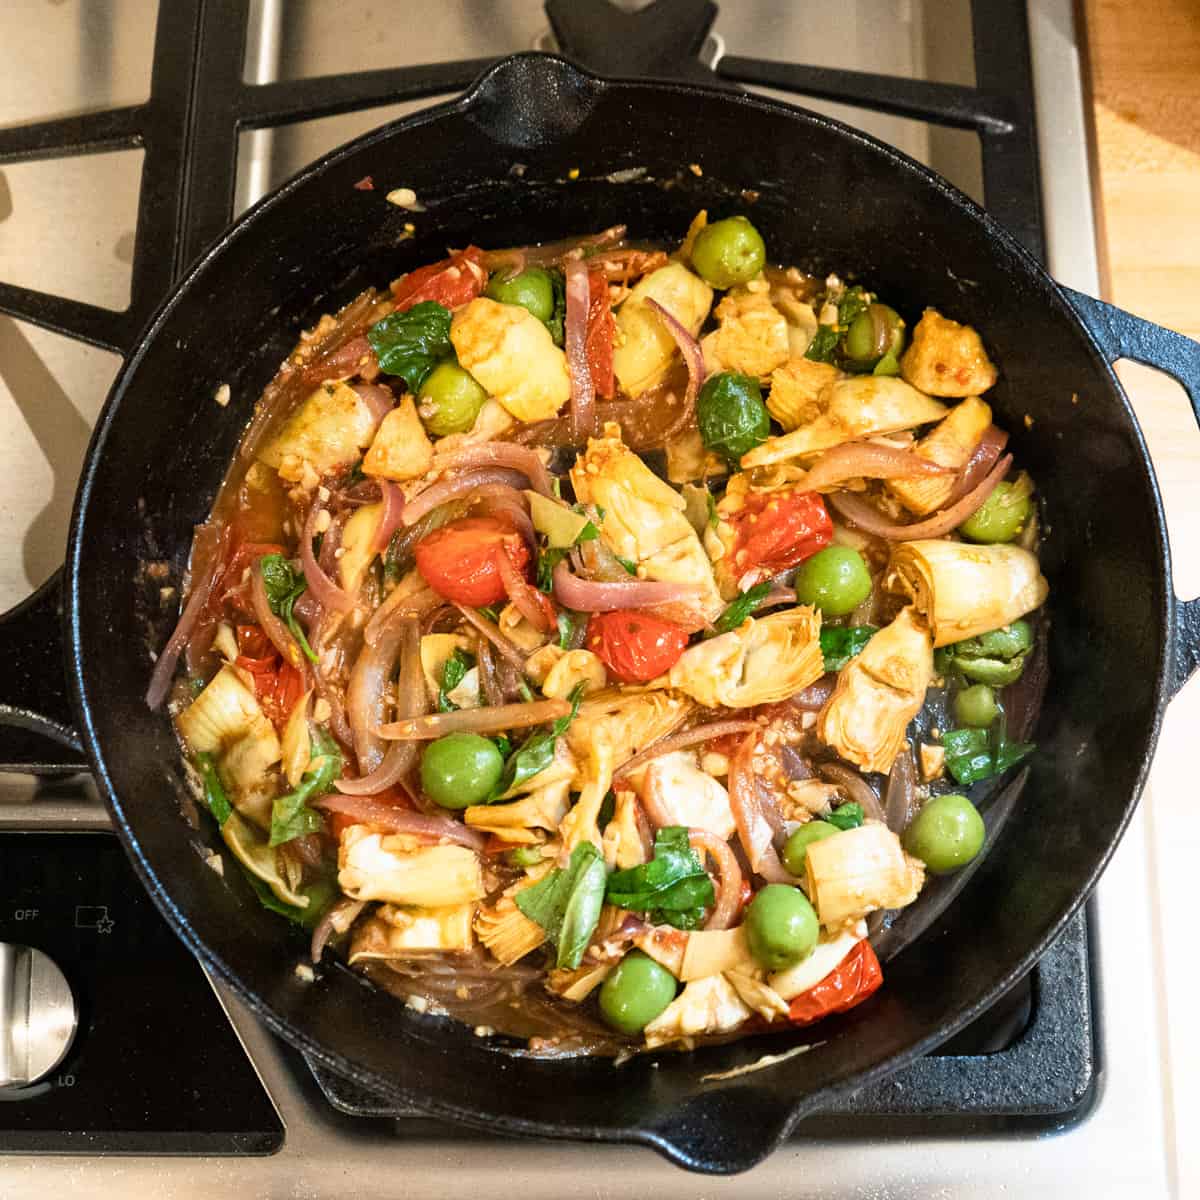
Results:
<point x="186" y="117"/>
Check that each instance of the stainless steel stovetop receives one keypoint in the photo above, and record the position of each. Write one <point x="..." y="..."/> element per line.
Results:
<point x="67" y="227"/>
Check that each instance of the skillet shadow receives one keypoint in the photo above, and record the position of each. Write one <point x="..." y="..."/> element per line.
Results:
<point x="62" y="435"/>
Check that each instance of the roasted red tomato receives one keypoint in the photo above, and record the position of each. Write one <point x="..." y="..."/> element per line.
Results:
<point x="634" y="646"/>
<point x="453" y="282"/>
<point x="774" y="531"/>
<point x="598" y="341"/>
<point x="850" y="983"/>
<point x="277" y="685"/>
<point x="459" y="561"/>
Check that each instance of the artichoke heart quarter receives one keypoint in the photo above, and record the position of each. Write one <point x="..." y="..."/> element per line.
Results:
<point x="761" y="662"/>
<point x="963" y="590"/>
<point x="878" y="693"/>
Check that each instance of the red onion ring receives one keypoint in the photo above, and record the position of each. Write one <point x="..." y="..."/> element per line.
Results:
<point x="322" y="587"/>
<point x="552" y="254"/>
<point x="583" y="393"/>
<point x="476" y="720"/>
<point x="337" y="919"/>
<point x="693" y="358"/>
<point x="754" y="829"/>
<point x="524" y="598"/>
<point x="366" y="705"/>
<point x="489" y="685"/>
<point x="980" y="463"/>
<point x="681" y="741"/>
<point x="354" y="357"/>
<point x="277" y="632"/>
<point x="506" y="263"/>
<point x="498" y="499"/>
<point x="445" y="490"/>
<point x="391" y="818"/>
<point x="501" y="454"/>
<point x="868" y="518"/>
<point x="814" y="697"/>
<point x="900" y="799"/>
<point x="491" y="631"/>
<point x="411" y="701"/>
<point x="390" y="518"/>
<point x="200" y="591"/>
<point x="586" y="595"/>
<point x="729" y="894"/>
<point x="376" y="397"/>
<point x="866" y="460"/>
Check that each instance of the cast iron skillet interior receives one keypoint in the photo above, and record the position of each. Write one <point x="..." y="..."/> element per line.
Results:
<point x="492" y="168"/>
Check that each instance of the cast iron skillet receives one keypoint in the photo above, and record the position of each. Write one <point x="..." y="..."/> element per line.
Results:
<point x="492" y="167"/>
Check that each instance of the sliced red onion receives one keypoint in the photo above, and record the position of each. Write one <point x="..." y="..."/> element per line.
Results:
<point x="376" y="397"/>
<point x="552" y="254"/>
<point x="729" y="894"/>
<point x="489" y="685"/>
<point x="583" y="393"/>
<point x="681" y="741"/>
<point x="524" y="598"/>
<point x="900" y="800"/>
<point x="867" y="460"/>
<point x="399" y="758"/>
<point x="981" y="461"/>
<point x="506" y="263"/>
<point x="337" y="919"/>
<point x="477" y="720"/>
<point x="366" y="703"/>
<point x="868" y="518"/>
<point x="854" y="785"/>
<point x="499" y="499"/>
<point x="391" y="818"/>
<point x="754" y="829"/>
<point x="277" y="632"/>
<point x="693" y="358"/>
<point x="412" y="604"/>
<point x="814" y="697"/>
<point x="586" y="595"/>
<point x="445" y="490"/>
<point x="354" y="357"/>
<point x="322" y="587"/>
<point x="501" y="454"/>
<point x="200" y="591"/>
<point x="491" y="631"/>
<point x="391" y="517"/>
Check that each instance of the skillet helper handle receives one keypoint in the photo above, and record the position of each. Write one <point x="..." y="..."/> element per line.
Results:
<point x="1122" y="335"/>
<point x="36" y="720"/>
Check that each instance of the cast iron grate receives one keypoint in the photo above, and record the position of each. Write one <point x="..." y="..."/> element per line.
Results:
<point x="1032" y="1062"/>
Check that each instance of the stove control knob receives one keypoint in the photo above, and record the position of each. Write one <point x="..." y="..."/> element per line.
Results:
<point x="37" y="1015"/>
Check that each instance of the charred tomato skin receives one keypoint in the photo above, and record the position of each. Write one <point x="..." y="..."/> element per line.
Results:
<point x="634" y="646"/>
<point x="459" y="560"/>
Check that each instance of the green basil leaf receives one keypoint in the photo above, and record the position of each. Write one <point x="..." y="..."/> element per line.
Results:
<point x="537" y="753"/>
<point x="567" y="903"/>
<point x="969" y="756"/>
<point x="853" y="304"/>
<point x="627" y="563"/>
<point x="321" y="894"/>
<point x="688" y="919"/>
<point x="284" y="586"/>
<point x="409" y="344"/>
<point x="454" y="672"/>
<point x="491" y="612"/>
<point x="214" y="790"/>
<point x="824" y="344"/>
<point x="740" y="608"/>
<point x="548" y="559"/>
<point x="674" y="881"/>
<point x="846" y="816"/>
<point x="608" y="806"/>
<point x="556" y="324"/>
<point x="290" y="815"/>
<point x="567" y="625"/>
<point x="503" y="744"/>
<point x="841" y="643"/>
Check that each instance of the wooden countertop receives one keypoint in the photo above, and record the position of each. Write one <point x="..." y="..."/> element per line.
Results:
<point x="1145" y="79"/>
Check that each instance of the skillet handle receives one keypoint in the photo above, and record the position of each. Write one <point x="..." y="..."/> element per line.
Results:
<point x="36" y="733"/>
<point x="1122" y="335"/>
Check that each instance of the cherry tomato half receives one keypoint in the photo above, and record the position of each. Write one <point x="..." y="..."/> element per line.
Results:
<point x="848" y="984"/>
<point x="452" y="282"/>
<point x="777" y="530"/>
<point x="459" y="561"/>
<point x="634" y="646"/>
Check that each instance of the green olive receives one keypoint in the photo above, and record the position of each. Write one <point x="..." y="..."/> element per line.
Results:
<point x="781" y="927"/>
<point x="728" y="252"/>
<point x="875" y="333"/>
<point x="993" y="671"/>
<point x="635" y="993"/>
<point x="460" y="769"/>
<point x="835" y="579"/>
<point x="976" y="706"/>
<point x="999" y="518"/>
<point x="795" y="850"/>
<point x="946" y="834"/>
<point x="449" y="400"/>
<point x="532" y="289"/>
<point x="731" y="414"/>
<point x="1006" y="642"/>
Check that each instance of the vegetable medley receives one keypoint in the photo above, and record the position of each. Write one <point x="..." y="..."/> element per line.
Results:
<point x="597" y="642"/>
